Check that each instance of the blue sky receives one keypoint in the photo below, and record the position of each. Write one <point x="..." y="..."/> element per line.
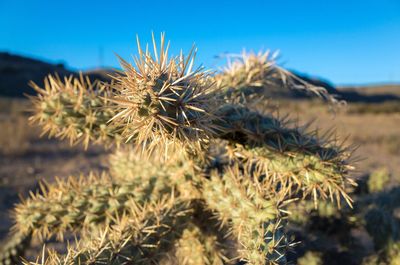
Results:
<point x="346" y="42"/>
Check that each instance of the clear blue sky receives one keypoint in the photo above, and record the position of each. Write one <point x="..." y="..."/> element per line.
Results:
<point x="344" y="41"/>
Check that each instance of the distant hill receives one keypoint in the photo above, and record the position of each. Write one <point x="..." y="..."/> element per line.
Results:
<point x="360" y="94"/>
<point x="371" y="93"/>
<point x="16" y="72"/>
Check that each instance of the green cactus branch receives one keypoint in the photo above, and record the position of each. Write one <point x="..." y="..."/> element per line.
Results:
<point x="128" y="164"/>
<point x="290" y="155"/>
<point x="241" y="125"/>
<point x="302" y="173"/>
<point x="214" y="240"/>
<point x="251" y="74"/>
<point x="76" y="109"/>
<point x="197" y="248"/>
<point x="145" y="235"/>
<point x="254" y="218"/>
<point x="83" y="203"/>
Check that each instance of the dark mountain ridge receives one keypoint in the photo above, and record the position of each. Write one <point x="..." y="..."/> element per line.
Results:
<point x="16" y="71"/>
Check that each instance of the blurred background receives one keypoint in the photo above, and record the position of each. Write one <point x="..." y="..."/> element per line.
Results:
<point x="349" y="47"/>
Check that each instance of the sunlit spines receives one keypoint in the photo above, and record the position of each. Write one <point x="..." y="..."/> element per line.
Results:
<point x="164" y="101"/>
<point x="81" y="203"/>
<point x="378" y="179"/>
<point x="239" y="124"/>
<point x="257" y="74"/>
<point x="145" y="235"/>
<point x="75" y="109"/>
<point x="302" y="175"/>
<point x="197" y="248"/>
<point x="253" y="214"/>
<point x="288" y="155"/>
<point x="130" y="164"/>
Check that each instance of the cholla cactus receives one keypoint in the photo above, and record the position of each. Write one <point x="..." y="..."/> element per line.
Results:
<point x="378" y="180"/>
<point x="162" y="100"/>
<point x="311" y="258"/>
<point x="191" y="156"/>
<point x="367" y="234"/>
<point x="251" y="74"/>
<point x="14" y="248"/>
<point x="76" y="109"/>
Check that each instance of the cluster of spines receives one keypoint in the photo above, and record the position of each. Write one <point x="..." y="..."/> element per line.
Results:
<point x="82" y="203"/>
<point x="143" y="235"/>
<point x="252" y="75"/>
<point x="198" y="248"/>
<point x="290" y="157"/>
<point x="164" y="101"/>
<point x="251" y="212"/>
<point x="219" y="244"/>
<point x="75" y="109"/>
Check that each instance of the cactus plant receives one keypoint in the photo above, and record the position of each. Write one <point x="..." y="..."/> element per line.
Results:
<point x="378" y="180"/>
<point x="14" y="248"/>
<point x="189" y="152"/>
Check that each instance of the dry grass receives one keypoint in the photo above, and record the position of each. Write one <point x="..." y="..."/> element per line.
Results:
<point x="375" y="108"/>
<point x="15" y="133"/>
<point x="377" y="89"/>
<point x="377" y="135"/>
